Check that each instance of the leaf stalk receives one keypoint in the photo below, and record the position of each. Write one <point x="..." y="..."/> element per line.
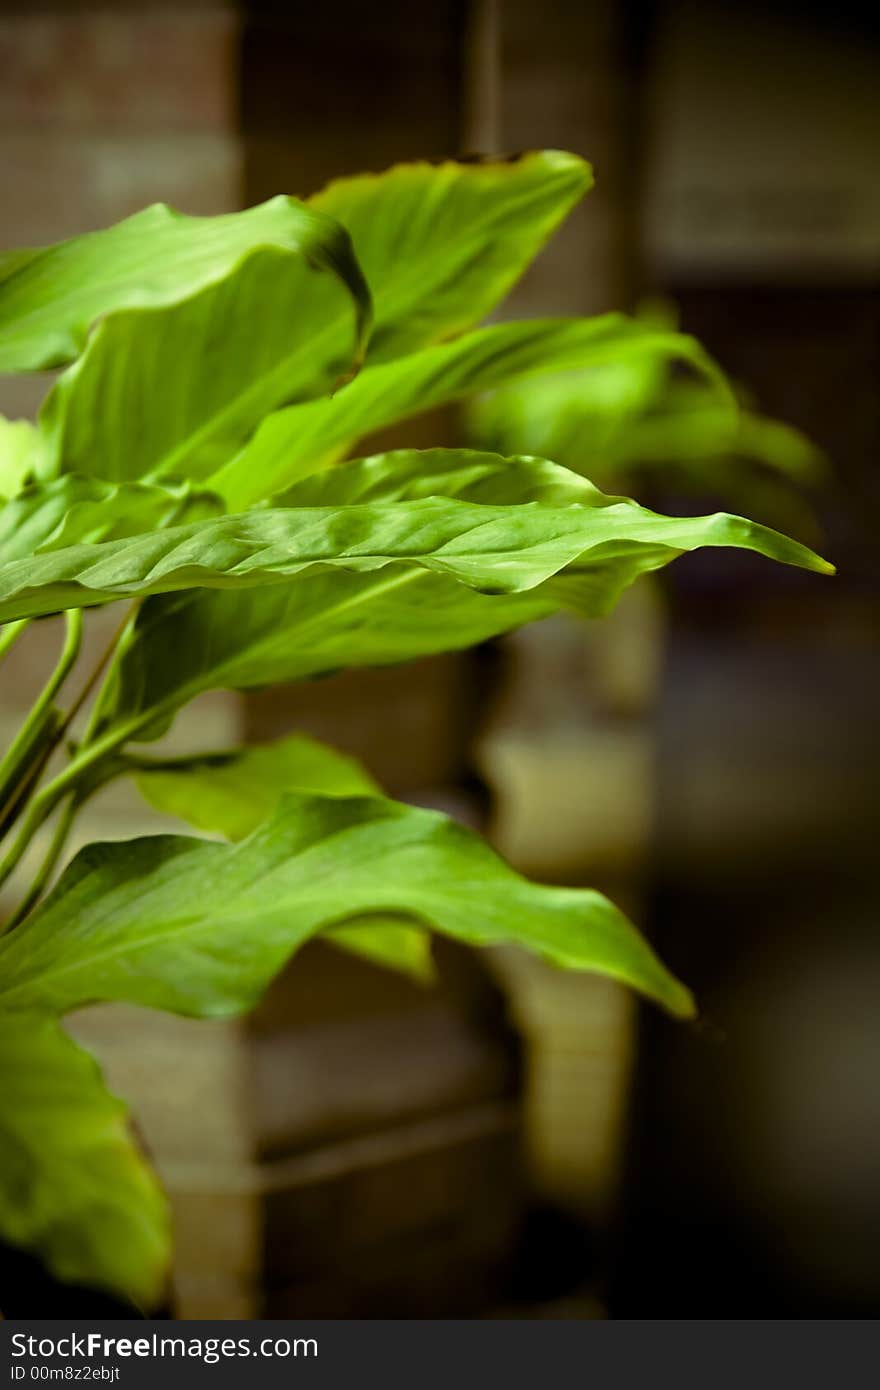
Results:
<point x="40" y="731"/>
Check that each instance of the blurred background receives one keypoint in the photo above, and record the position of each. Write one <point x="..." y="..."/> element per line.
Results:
<point x="519" y="1142"/>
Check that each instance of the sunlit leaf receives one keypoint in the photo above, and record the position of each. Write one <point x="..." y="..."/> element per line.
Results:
<point x="73" y="511"/>
<point x="52" y="296"/>
<point x="494" y="549"/>
<point x="470" y="475"/>
<point x="230" y="794"/>
<point x="200" y="927"/>
<point x="440" y="245"/>
<point x="174" y="391"/>
<point x="74" y="1188"/>
<point x="477" y="568"/>
<point x="293" y="442"/>
<point x="19" y="455"/>
<point x="187" y="643"/>
<point x="389" y="941"/>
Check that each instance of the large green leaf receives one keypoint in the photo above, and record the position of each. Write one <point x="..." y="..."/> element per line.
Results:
<point x="295" y="441"/>
<point x="332" y="618"/>
<point x="502" y="549"/>
<point x="75" y="511"/>
<point x="174" y="391"/>
<point x="222" y="640"/>
<point x="198" y="927"/>
<point x="73" y="1187"/>
<point x="19" y="454"/>
<point x="51" y="297"/>
<point x="440" y="245"/>
<point x="231" y="793"/>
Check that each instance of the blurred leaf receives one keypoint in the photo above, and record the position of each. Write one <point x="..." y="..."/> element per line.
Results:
<point x="501" y="549"/>
<point x="19" y="454"/>
<point x="688" y="428"/>
<point x="51" y="297"/>
<point x="632" y="417"/>
<point x="73" y="1186"/>
<point x="440" y="245"/>
<point x="577" y="417"/>
<point x="199" y="927"/>
<point x="294" y="442"/>
<point x="387" y="941"/>
<point x="230" y="794"/>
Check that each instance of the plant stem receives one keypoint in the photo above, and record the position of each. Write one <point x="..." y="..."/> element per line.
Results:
<point x="112" y="650"/>
<point x="10" y="635"/>
<point x="76" y="799"/>
<point x="89" y="753"/>
<point x="37" y="736"/>
<point x="53" y="854"/>
<point x="44" y="803"/>
<point x="30" y="775"/>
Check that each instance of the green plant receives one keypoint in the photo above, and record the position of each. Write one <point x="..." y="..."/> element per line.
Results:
<point x="180" y="466"/>
<point x="637" y="420"/>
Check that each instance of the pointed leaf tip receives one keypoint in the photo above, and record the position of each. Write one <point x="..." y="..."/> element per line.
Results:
<point x="200" y="928"/>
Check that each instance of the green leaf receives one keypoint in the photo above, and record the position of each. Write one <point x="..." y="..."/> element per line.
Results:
<point x="409" y="475"/>
<point x="296" y="441"/>
<point x="198" y="927"/>
<point x="575" y="417"/>
<point x="174" y="391"/>
<point x="631" y="415"/>
<point x="188" y="643"/>
<point x="82" y="511"/>
<point x="440" y="245"/>
<point x="502" y="549"/>
<point x="689" y="429"/>
<point x="387" y="941"/>
<point x="19" y="454"/>
<point x="330" y="618"/>
<point x="230" y="794"/>
<point x="630" y="422"/>
<point x="51" y="297"/>
<point x="73" y="1187"/>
